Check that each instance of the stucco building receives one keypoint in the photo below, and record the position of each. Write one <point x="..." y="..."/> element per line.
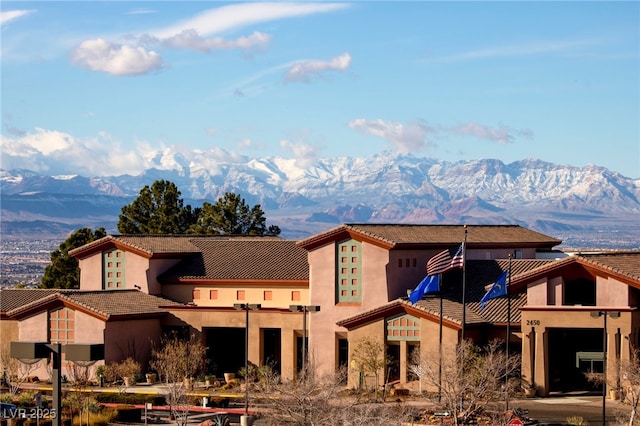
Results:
<point x="135" y="288"/>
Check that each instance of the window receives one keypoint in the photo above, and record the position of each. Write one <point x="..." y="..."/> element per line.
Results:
<point x="349" y="272"/>
<point x="195" y="294"/>
<point x="61" y="325"/>
<point x="240" y="295"/>
<point x="403" y="327"/>
<point x="213" y="294"/>
<point x="295" y="295"/>
<point x="268" y="295"/>
<point x="579" y="292"/>
<point x="113" y="272"/>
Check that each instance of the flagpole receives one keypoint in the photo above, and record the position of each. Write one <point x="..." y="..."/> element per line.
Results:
<point x="506" y="378"/>
<point x="464" y="282"/>
<point x="440" y="348"/>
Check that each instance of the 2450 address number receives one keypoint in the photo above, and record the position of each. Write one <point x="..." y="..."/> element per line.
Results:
<point x="533" y="322"/>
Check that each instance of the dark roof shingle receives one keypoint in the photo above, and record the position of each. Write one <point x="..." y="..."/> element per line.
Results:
<point x="397" y="234"/>
<point x="106" y="303"/>
<point x="266" y="259"/>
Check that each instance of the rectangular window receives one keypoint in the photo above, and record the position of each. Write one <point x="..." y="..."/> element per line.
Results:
<point x="196" y="294"/>
<point x="61" y="325"/>
<point x="213" y="294"/>
<point x="240" y="295"/>
<point x="295" y="295"/>
<point x="349" y="272"/>
<point x="112" y="269"/>
<point x="268" y="295"/>
<point x="399" y="263"/>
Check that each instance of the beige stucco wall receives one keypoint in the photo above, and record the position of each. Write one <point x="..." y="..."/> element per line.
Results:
<point x="91" y="272"/>
<point x="429" y="343"/>
<point x="289" y="323"/>
<point x="611" y="292"/>
<point x="227" y="294"/>
<point x="376" y="332"/>
<point x="322" y="276"/>
<point x="131" y="338"/>
<point x="138" y="270"/>
<point x="34" y="328"/>
<point x="535" y="347"/>
<point x="89" y="329"/>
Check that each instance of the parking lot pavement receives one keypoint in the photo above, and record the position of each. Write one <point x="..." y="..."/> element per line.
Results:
<point x="556" y="410"/>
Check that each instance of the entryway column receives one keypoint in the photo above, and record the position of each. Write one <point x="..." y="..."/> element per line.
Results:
<point x="404" y="353"/>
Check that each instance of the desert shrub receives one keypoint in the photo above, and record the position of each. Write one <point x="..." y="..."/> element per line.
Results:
<point x="102" y="418"/>
<point x="26" y="399"/>
<point x="130" y="398"/>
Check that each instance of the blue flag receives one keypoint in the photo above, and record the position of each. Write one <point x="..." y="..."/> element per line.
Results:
<point x="429" y="284"/>
<point x="498" y="289"/>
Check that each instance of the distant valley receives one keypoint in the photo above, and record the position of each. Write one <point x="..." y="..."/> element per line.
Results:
<point x="587" y="207"/>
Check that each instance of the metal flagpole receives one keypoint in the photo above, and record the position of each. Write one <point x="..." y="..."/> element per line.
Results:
<point x="440" y="346"/>
<point x="464" y="282"/>
<point x="506" y="376"/>
<point x="464" y="308"/>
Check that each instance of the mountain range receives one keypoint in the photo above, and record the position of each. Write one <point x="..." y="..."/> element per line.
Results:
<point x="586" y="207"/>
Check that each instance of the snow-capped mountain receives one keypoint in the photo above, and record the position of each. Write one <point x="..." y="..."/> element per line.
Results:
<point x="383" y="188"/>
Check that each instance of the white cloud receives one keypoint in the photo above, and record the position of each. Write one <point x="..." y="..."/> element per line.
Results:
<point x="238" y="15"/>
<point x="190" y="39"/>
<point x="409" y="137"/>
<point x="245" y="143"/>
<point x="501" y="134"/>
<point x="141" y="11"/>
<point x="415" y="136"/>
<point x="115" y="59"/>
<point x="525" y="49"/>
<point x="305" y="70"/>
<point x="304" y="154"/>
<point x="10" y="15"/>
<point x="59" y="153"/>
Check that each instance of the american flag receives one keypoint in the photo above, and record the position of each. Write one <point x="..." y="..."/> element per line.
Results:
<point x="443" y="261"/>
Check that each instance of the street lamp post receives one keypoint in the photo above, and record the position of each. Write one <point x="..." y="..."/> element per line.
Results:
<point x="604" y="315"/>
<point x="246" y="307"/>
<point x="304" y="309"/>
<point x="73" y="352"/>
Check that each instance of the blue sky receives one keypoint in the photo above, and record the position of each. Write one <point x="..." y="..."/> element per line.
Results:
<point x="101" y="88"/>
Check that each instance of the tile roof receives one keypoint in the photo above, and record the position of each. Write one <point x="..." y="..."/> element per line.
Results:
<point x="626" y="263"/>
<point x="150" y="244"/>
<point x="396" y="234"/>
<point x="13" y="298"/>
<point x="106" y="303"/>
<point x="249" y="258"/>
<point x="481" y="274"/>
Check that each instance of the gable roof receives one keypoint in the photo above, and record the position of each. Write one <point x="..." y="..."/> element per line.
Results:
<point x="480" y="275"/>
<point x="247" y="259"/>
<point x="13" y="298"/>
<point x="398" y="235"/>
<point x="104" y="304"/>
<point x="622" y="265"/>
<point x="145" y="245"/>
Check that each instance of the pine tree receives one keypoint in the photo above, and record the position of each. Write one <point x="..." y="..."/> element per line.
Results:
<point x="63" y="272"/>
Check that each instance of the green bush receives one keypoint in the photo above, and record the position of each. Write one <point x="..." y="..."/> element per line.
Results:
<point x="130" y="398"/>
<point x="7" y="397"/>
<point x="26" y="399"/>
